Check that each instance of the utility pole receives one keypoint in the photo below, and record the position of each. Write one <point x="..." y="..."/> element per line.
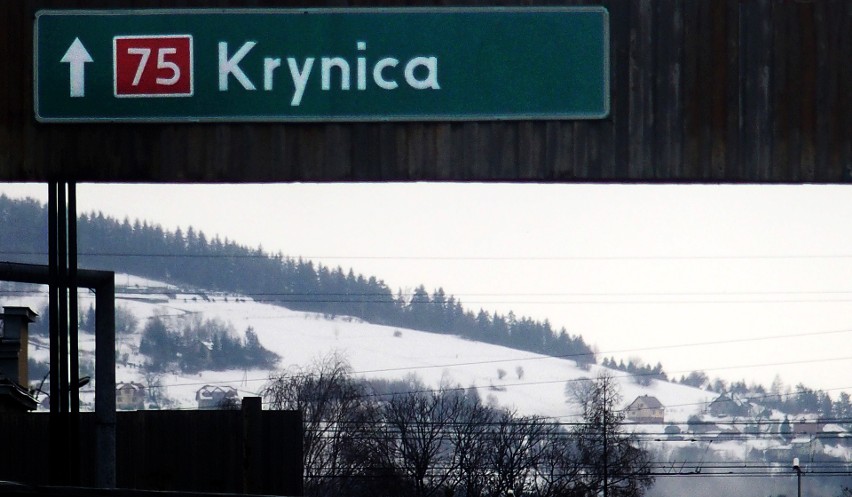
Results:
<point x="605" y="444"/>
<point x="798" y="470"/>
<point x="62" y="305"/>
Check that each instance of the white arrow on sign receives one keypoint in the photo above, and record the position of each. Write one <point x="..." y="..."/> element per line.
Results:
<point x="76" y="57"/>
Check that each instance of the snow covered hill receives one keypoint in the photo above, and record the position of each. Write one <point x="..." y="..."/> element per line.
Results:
<point x="529" y="383"/>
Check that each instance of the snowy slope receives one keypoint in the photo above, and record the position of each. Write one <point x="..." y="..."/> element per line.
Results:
<point x="530" y="383"/>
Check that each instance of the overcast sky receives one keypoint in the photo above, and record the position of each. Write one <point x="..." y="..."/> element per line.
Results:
<point x="743" y="282"/>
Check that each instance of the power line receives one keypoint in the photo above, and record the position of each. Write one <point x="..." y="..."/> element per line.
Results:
<point x="479" y="387"/>
<point x="544" y="382"/>
<point x="284" y="298"/>
<point x="409" y="368"/>
<point x="535" y="258"/>
<point x="364" y="296"/>
<point x="619" y="351"/>
<point x="547" y="382"/>
<point x="609" y="352"/>
<point x="328" y="294"/>
<point x="527" y="383"/>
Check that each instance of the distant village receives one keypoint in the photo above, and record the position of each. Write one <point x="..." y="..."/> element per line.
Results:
<point x="132" y="396"/>
<point x="730" y="417"/>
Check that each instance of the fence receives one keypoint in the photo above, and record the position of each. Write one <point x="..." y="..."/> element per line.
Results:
<point x="237" y="451"/>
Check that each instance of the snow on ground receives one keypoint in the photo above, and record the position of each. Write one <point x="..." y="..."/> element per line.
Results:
<point x="530" y="383"/>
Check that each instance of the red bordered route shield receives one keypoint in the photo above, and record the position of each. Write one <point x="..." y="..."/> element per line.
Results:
<point x="152" y="66"/>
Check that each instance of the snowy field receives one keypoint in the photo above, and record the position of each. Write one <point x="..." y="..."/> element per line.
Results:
<point x="531" y="384"/>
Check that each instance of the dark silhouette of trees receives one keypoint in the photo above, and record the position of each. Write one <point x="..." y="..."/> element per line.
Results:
<point x="195" y="345"/>
<point x="642" y="373"/>
<point x="517" y="445"/>
<point x="406" y="440"/>
<point x="420" y="437"/>
<point x="471" y="445"/>
<point x="697" y="379"/>
<point x="558" y="473"/>
<point x="338" y="420"/>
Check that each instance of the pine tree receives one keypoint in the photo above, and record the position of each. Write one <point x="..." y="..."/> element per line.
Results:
<point x="786" y="430"/>
<point x="620" y="467"/>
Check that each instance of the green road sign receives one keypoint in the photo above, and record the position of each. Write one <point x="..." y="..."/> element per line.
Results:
<point x="322" y="65"/>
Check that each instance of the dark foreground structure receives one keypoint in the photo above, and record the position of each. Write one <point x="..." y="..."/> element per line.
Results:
<point x="723" y="91"/>
<point x="225" y="451"/>
<point x="9" y="488"/>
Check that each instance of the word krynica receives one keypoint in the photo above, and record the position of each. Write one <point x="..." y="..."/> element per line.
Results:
<point x="419" y="72"/>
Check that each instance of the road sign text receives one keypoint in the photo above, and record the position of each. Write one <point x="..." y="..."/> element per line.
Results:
<point x="420" y="73"/>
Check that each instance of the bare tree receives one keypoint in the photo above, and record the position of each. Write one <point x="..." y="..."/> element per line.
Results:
<point x="420" y="442"/>
<point x="470" y="440"/>
<point x="517" y="444"/>
<point x="558" y="471"/>
<point x="426" y="443"/>
<point x="154" y="389"/>
<point x="336" y="418"/>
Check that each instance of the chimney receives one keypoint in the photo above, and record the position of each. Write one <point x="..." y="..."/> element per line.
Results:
<point x="14" y="341"/>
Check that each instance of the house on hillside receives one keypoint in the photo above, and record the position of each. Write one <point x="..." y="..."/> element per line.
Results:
<point x="804" y="446"/>
<point x="729" y="404"/>
<point x="808" y="427"/>
<point x="216" y="397"/>
<point x="129" y="396"/>
<point x="834" y="430"/>
<point x="646" y="409"/>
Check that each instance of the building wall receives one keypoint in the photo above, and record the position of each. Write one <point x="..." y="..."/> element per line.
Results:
<point x="721" y="91"/>
<point x="201" y="451"/>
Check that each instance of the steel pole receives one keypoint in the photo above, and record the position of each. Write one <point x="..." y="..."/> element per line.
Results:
<point x="799" y="478"/>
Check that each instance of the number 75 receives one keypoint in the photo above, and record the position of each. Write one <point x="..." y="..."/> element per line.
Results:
<point x="162" y="63"/>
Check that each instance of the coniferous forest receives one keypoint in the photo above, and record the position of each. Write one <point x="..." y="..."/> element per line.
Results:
<point x="191" y="259"/>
